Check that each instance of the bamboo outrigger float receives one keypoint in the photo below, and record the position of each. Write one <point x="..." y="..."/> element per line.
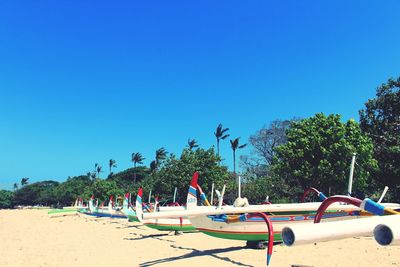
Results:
<point x="387" y="233"/>
<point x="328" y="231"/>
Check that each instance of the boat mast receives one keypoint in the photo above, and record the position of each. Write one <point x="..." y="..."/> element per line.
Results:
<point x="174" y="195"/>
<point x="353" y="161"/>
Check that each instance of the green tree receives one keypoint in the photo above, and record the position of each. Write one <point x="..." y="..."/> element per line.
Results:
<point x="103" y="189"/>
<point x="221" y="134"/>
<point x="92" y="176"/>
<point x="36" y="193"/>
<point x="235" y="146"/>
<point x="6" y="198"/>
<point x="124" y="178"/>
<point x="153" y="165"/>
<point x="318" y="154"/>
<point x="73" y="188"/>
<point x="257" y="189"/>
<point x="177" y="172"/>
<point x="381" y="121"/>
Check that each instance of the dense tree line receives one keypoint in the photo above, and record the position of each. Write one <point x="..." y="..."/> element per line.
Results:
<point x="286" y="157"/>
<point x="317" y="151"/>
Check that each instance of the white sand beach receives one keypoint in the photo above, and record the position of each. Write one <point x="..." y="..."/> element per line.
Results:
<point x="32" y="238"/>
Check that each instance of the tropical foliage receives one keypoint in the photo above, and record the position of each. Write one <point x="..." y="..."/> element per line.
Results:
<point x="6" y="198"/>
<point x="318" y="154"/>
<point x="380" y="120"/>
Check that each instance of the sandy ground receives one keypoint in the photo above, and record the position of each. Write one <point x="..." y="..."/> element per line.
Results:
<point x="32" y="238"/>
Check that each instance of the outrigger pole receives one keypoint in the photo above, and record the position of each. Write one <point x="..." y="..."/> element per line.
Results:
<point x="353" y="161"/>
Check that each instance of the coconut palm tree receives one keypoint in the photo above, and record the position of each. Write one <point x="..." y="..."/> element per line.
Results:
<point x="15" y="186"/>
<point x="112" y="164"/>
<point x="137" y="158"/>
<point x="220" y="134"/>
<point x="161" y="154"/>
<point x="192" y="143"/>
<point x="98" y="170"/>
<point x="235" y="145"/>
<point x="24" y="181"/>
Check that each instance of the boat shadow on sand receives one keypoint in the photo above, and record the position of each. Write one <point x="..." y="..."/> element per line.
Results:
<point x="199" y="253"/>
<point x="155" y="236"/>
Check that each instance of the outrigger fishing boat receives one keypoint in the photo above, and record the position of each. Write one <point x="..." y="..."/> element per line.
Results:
<point x="249" y="223"/>
<point x="252" y="228"/>
<point x="71" y="210"/>
<point x="128" y="210"/>
<point x="165" y="224"/>
<point x="105" y="211"/>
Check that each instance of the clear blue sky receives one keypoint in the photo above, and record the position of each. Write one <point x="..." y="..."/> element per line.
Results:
<point x="85" y="81"/>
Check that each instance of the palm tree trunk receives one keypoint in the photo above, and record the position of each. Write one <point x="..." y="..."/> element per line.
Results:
<point x="234" y="163"/>
<point x="219" y="160"/>
<point x="134" y="173"/>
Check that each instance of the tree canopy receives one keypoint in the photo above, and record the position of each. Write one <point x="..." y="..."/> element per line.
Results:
<point x="318" y="154"/>
<point x="380" y="119"/>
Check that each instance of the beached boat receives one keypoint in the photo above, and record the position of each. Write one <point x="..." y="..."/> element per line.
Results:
<point x="70" y="210"/>
<point x="220" y="221"/>
<point x="253" y="228"/>
<point x="105" y="211"/>
<point x="165" y="224"/>
<point x="128" y="210"/>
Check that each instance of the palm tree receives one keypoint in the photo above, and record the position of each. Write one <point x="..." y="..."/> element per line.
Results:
<point x="137" y="158"/>
<point x="112" y="164"/>
<point x="192" y="143"/>
<point x="15" y="186"/>
<point x="220" y="134"/>
<point x="24" y="181"/>
<point x="161" y="154"/>
<point x="98" y="170"/>
<point x="235" y="145"/>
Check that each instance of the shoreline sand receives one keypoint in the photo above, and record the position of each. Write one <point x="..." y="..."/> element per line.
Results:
<point x="32" y="238"/>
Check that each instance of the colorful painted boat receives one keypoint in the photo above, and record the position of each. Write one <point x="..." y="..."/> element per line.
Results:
<point x="108" y="211"/>
<point x="128" y="210"/>
<point x="241" y="227"/>
<point x="165" y="224"/>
